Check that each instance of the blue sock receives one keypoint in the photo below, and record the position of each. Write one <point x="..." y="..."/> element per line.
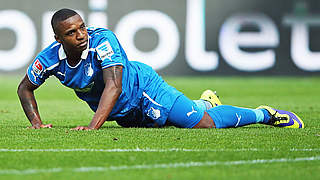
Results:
<point x="225" y="116"/>
<point x="267" y="116"/>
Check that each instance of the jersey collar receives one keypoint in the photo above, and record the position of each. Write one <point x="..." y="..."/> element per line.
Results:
<point x="84" y="55"/>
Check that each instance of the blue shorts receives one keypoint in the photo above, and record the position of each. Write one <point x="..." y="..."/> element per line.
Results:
<point x="159" y="105"/>
<point x="185" y="113"/>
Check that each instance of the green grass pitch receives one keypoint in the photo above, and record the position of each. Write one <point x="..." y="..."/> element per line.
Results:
<point x="251" y="152"/>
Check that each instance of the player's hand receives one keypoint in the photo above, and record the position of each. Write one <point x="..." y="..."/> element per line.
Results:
<point x="41" y="126"/>
<point x="81" y="128"/>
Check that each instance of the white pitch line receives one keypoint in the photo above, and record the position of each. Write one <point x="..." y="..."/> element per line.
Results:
<point x="101" y="150"/>
<point x="154" y="150"/>
<point x="294" y="149"/>
<point x="124" y="150"/>
<point x="159" y="166"/>
<point x="30" y="171"/>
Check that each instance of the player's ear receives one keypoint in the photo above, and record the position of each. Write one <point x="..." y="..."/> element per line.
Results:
<point x="57" y="38"/>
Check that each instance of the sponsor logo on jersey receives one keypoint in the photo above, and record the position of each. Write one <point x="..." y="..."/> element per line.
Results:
<point x="105" y="50"/>
<point x="37" y="67"/>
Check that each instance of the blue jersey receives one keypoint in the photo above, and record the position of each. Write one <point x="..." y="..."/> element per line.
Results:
<point x="143" y="91"/>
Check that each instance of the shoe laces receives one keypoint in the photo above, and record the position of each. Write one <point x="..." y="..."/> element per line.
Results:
<point x="278" y="118"/>
<point x="215" y="92"/>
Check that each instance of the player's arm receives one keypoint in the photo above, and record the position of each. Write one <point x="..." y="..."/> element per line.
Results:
<point x="113" y="87"/>
<point x="29" y="104"/>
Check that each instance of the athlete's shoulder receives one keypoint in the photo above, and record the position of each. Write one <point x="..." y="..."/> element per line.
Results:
<point x="44" y="62"/>
<point x="100" y="35"/>
<point x="49" y="56"/>
<point x="93" y="32"/>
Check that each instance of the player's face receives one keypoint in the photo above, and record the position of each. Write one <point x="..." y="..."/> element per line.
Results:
<point x="72" y="34"/>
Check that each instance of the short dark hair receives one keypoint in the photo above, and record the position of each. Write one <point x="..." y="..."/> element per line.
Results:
<point x="61" y="15"/>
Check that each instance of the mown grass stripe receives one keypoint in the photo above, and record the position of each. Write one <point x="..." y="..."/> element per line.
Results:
<point x="151" y="150"/>
<point x="159" y="166"/>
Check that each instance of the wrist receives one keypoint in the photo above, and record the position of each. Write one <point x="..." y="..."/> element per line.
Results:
<point x="92" y="127"/>
<point x="37" y="124"/>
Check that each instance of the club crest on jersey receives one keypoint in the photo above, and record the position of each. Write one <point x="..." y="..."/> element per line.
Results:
<point x="154" y="113"/>
<point x="88" y="69"/>
<point x="37" y="67"/>
<point x="105" y="51"/>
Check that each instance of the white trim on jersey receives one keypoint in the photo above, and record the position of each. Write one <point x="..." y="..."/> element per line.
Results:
<point x="92" y="49"/>
<point x="56" y="44"/>
<point x="84" y="55"/>
<point x="51" y="67"/>
<point x="153" y="101"/>
<point x="115" y="64"/>
<point x="62" y="54"/>
<point x="73" y="67"/>
<point x="31" y="80"/>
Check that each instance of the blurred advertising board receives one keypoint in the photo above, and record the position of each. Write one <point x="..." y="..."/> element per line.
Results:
<point x="180" y="37"/>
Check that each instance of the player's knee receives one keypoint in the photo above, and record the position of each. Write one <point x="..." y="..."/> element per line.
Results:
<point x="205" y="122"/>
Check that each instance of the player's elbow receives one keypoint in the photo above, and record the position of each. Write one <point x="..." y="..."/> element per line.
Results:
<point x="118" y="90"/>
<point x="115" y="90"/>
<point x="20" y="89"/>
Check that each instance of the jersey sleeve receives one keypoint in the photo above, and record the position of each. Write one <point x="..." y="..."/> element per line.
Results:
<point x="109" y="52"/>
<point x="36" y="72"/>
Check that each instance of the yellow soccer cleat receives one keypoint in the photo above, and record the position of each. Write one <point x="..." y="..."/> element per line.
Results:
<point x="281" y="118"/>
<point x="211" y="97"/>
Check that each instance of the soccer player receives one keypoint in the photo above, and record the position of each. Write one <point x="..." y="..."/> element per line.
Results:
<point x="92" y="62"/>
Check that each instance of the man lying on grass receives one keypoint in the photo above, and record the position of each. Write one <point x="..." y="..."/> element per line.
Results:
<point x="92" y="62"/>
